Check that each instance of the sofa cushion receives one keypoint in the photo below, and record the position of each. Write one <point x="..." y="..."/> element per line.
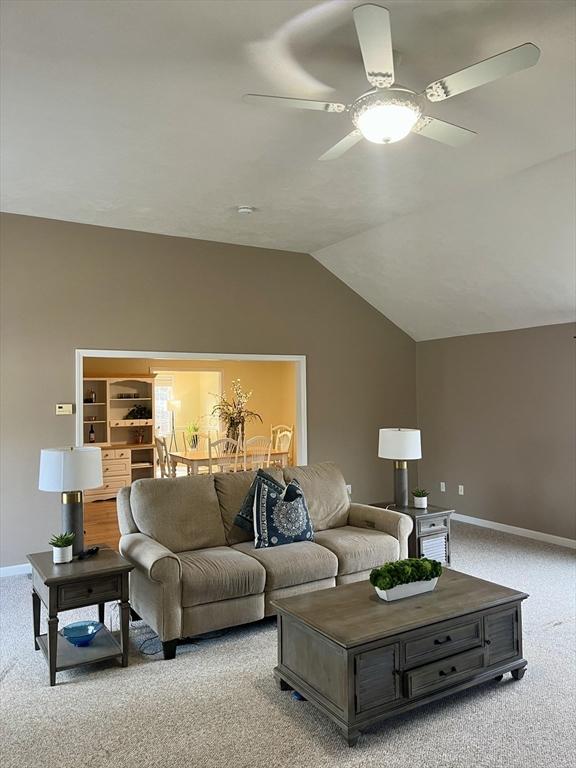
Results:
<point x="292" y="564"/>
<point x="231" y="488"/>
<point x="181" y="513"/>
<point x="359" y="549"/>
<point x="325" y="491"/>
<point x="219" y="573"/>
<point x="280" y="515"/>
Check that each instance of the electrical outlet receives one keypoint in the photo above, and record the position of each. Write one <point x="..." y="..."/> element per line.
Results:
<point x="443" y="487"/>
<point x="349" y="489"/>
<point x="460" y="490"/>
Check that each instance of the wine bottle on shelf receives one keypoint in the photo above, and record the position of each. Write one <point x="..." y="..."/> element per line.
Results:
<point x="91" y="434"/>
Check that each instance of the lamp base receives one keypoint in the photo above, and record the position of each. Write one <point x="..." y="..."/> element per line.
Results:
<point x="73" y="518"/>
<point x="401" y="483"/>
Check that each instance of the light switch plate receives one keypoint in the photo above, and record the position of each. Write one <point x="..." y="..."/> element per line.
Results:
<point x="64" y="409"/>
<point x="443" y="487"/>
<point x="461" y="490"/>
<point x="349" y="489"/>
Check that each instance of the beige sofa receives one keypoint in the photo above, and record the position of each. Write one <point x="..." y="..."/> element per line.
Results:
<point x="195" y="571"/>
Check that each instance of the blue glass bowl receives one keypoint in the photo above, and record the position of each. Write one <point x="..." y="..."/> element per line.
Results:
<point x="81" y="633"/>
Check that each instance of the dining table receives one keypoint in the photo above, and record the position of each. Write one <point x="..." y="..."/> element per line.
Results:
<point x="193" y="460"/>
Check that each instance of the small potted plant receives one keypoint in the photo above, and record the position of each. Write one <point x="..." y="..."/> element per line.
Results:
<point x="405" y="578"/>
<point x="420" y="498"/>
<point x="61" y="544"/>
<point x="192" y="431"/>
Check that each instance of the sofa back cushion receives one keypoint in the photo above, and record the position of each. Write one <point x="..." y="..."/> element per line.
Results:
<point x="181" y="513"/>
<point x="325" y="491"/>
<point x="231" y="488"/>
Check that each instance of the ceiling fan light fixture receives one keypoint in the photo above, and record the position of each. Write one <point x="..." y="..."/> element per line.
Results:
<point x="386" y="117"/>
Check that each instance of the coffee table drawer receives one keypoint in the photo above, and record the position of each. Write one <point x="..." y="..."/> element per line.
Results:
<point x="441" y="674"/>
<point x="446" y="640"/>
<point x="75" y="595"/>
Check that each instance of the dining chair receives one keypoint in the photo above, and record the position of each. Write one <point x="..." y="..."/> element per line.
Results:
<point x="282" y="435"/>
<point x="163" y="457"/>
<point x="223" y="455"/>
<point x="257" y="452"/>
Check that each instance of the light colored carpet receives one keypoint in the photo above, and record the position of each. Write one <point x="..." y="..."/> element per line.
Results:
<point x="217" y="704"/>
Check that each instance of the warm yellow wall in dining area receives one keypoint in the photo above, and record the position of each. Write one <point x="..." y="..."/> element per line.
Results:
<point x="273" y="385"/>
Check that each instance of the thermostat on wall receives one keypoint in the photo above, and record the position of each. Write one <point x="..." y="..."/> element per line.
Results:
<point x="64" y="409"/>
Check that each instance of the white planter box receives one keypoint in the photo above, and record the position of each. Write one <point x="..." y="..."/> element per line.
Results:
<point x="406" y="590"/>
<point x="420" y="502"/>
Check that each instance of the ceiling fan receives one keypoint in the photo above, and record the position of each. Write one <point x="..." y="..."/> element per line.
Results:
<point x="386" y="114"/>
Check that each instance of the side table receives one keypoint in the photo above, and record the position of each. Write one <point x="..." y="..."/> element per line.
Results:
<point x="430" y="535"/>
<point x="94" y="581"/>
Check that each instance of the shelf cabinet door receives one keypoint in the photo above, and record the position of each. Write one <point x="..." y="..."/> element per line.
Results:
<point x="502" y="635"/>
<point x="377" y="677"/>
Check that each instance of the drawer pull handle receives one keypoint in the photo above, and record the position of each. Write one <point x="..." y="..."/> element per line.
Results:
<point x="445" y="673"/>
<point x="447" y="639"/>
<point x="90" y="590"/>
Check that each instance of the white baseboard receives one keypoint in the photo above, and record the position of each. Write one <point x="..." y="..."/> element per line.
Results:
<point x="15" y="570"/>
<point x="526" y="532"/>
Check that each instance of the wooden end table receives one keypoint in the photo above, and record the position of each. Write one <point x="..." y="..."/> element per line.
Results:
<point x="430" y="535"/>
<point x="61" y="587"/>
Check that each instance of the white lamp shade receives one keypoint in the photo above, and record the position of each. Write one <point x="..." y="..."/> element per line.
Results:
<point x="173" y="405"/>
<point x="70" y="469"/>
<point x="399" y="444"/>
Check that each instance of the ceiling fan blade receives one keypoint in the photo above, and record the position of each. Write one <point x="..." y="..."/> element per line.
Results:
<point x="373" y="30"/>
<point x="486" y="71"/>
<point x="447" y="133"/>
<point x="342" y="146"/>
<point x="284" y="101"/>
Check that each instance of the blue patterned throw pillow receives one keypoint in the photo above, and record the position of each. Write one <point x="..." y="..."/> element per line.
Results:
<point x="280" y="517"/>
<point x="244" y="519"/>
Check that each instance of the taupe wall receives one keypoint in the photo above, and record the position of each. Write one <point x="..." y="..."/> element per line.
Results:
<point x="68" y="286"/>
<point x="497" y="413"/>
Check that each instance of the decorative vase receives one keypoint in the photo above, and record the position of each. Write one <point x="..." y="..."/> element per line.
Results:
<point x="420" y="502"/>
<point x="406" y="590"/>
<point x="193" y="442"/>
<point x="62" y="554"/>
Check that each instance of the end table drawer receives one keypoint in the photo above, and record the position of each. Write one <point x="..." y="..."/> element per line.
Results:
<point x="432" y="525"/>
<point x="441" y="674"/>
<point x="447" y="640"/>
<point x="88" y="592"/>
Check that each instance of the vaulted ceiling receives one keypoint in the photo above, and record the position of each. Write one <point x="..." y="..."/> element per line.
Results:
<point x="129" y="114"/>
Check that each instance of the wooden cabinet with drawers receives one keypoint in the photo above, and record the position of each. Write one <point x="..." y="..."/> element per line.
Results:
<point x="361" y="660"/>
<point x="107" y="403"/>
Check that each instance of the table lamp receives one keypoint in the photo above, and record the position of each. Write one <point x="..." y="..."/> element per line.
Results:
<point x="71" y="471"/>
<point x="172" y="406"/>
<point x="400" y="445"/>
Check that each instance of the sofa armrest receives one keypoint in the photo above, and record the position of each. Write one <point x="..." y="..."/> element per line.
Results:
<point x="386" y="520"/>
<point x="156" y="561"/>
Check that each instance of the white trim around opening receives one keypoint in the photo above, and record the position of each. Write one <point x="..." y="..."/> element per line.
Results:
<point x="301" y="425"/>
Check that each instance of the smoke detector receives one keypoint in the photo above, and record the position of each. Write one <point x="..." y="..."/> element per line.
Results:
<point x="245" y="209"/>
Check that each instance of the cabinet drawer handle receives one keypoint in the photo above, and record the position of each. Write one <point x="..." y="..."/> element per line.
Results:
<point x="447" y="639"/>
<point x="90" y="590"/>
<point x="445" y="672"/>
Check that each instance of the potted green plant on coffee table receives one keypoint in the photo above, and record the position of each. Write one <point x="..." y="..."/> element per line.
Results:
<point x="405" y="578"/>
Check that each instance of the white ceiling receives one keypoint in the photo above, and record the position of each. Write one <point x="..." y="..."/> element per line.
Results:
<point x="129" y="114"/>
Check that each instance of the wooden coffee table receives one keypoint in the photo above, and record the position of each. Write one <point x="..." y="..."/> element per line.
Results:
<point x="361" y="660"/>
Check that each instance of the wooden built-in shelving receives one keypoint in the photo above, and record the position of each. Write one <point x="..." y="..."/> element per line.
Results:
<point x="124" y="459"/>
